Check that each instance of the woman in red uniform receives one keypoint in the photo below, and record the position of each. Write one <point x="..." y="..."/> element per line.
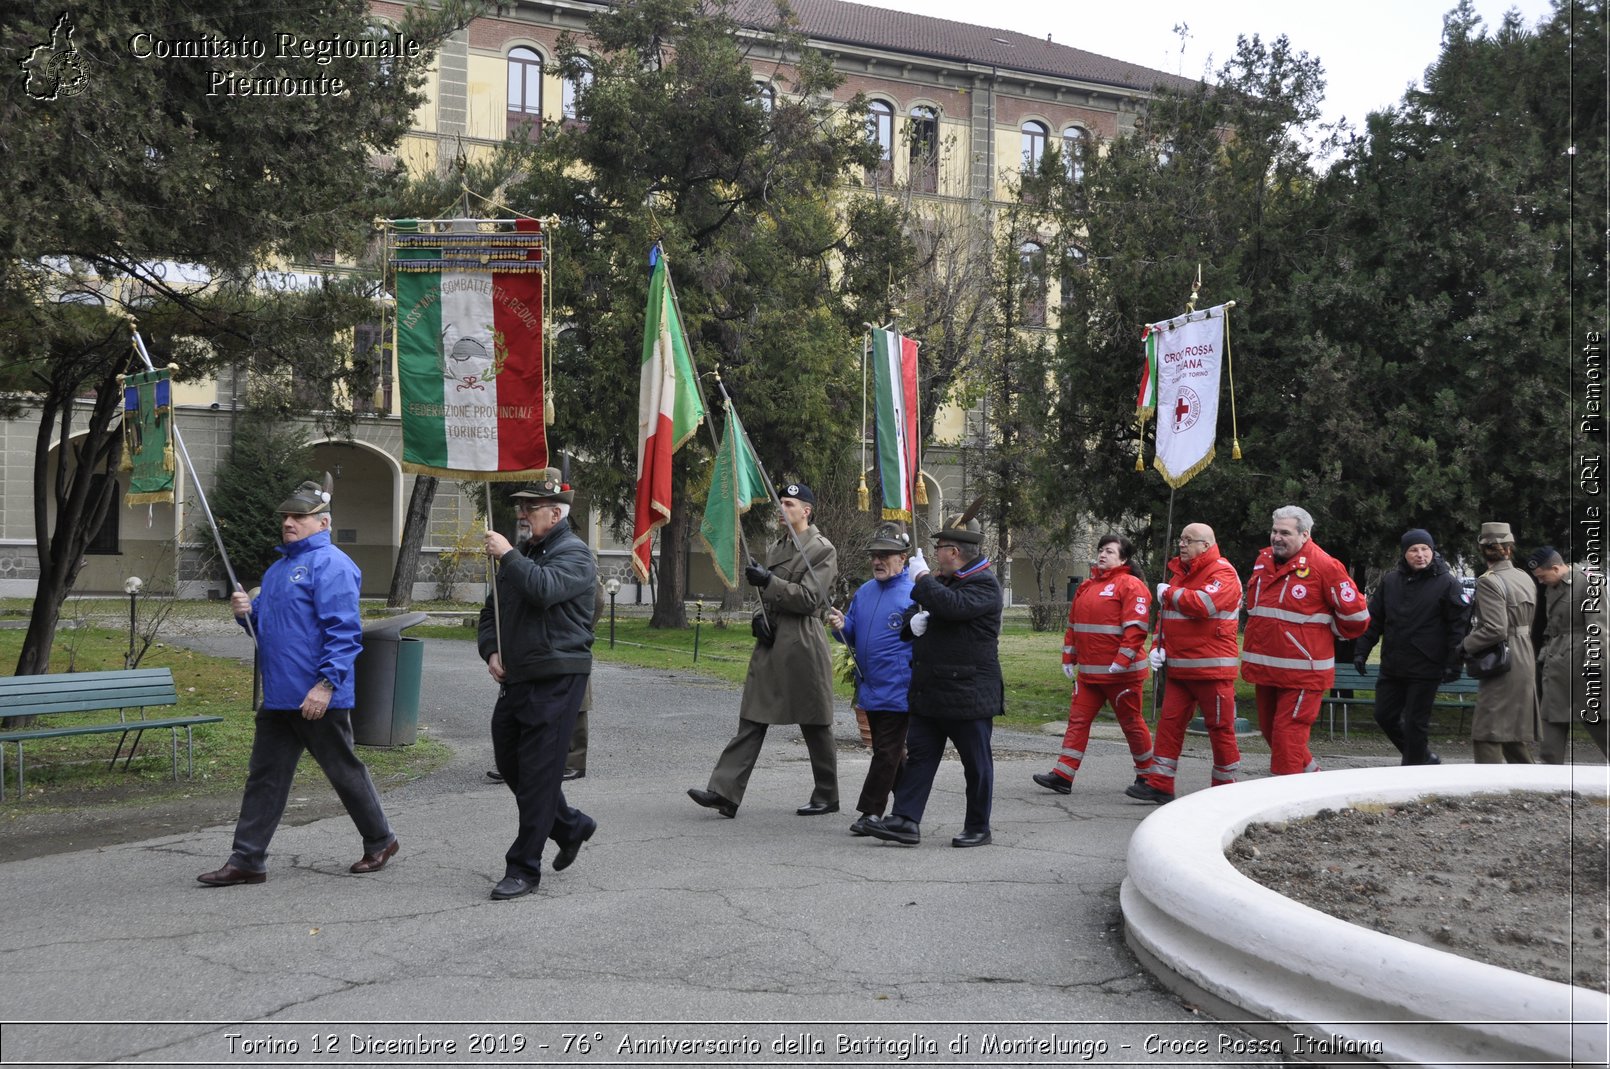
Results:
<point x="1103" y="651"/>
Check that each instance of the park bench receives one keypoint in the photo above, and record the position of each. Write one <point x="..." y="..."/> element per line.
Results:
<point x="84" y="692"/>
<point x="1346" y="692"/>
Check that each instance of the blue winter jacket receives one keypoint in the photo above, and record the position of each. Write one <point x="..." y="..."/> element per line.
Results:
<point x="872" y="628"/>
<point x="306" y="618"/>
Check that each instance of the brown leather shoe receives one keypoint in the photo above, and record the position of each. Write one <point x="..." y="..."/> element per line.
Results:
<point x="375" y="862"/>
<point x="229" y="875"/>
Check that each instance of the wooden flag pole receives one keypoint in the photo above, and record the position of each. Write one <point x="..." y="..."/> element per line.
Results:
<point x="492" y="579"/>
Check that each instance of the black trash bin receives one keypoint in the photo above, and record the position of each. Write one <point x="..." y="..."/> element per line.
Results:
<point x="389" y="673"/>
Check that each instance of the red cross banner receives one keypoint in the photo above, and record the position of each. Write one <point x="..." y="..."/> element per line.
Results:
<point x="1189" y="352"/>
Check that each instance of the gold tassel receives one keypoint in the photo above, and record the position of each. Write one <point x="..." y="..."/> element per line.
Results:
<point x="921" y="496"/>
<point x="547" y="411"/>
<point x="863" y="496"/>
<point x="167" y="458"/>
<point x="1235" y="449"/>
<point x="127" y="463"/>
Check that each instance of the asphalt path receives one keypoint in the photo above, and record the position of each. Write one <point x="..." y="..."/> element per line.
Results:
<point x="678" y="937"/>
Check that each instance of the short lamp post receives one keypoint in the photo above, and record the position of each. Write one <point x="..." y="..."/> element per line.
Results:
<point x="612" y="587"/>
<point x="131" y="587"/>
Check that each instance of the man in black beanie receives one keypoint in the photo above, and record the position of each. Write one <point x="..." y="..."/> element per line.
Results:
<point x="1423" y="613"/>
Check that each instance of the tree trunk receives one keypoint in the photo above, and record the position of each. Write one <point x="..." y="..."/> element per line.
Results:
<point x="668" y="608"/>
<point x="415" y="526"/>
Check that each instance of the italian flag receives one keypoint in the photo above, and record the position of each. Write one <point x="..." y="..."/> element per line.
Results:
<point x="469" y="364"/>
<point x="894" y="429"/>
<point x="1146" y="403"/>
<point x="669" y="410"/>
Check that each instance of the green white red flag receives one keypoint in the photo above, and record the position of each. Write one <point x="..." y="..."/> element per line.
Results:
<point x="736" y="485"/>
<point x="669" y="410"/>
<point x="470" y="352"/>
<point x="894" y="427"/>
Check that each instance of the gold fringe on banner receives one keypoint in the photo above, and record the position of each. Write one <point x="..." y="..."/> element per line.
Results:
<point x="920" y="494"/>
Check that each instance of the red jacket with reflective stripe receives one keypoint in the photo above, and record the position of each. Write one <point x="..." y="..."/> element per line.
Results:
<point x="1107" y="626"/>
<point x="1199" y="615"/>
<point x="1295" y="613"/>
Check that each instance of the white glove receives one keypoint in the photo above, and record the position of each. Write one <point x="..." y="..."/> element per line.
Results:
<point x="917" y="565"/>
<point x="1162" y="590"/>
<point x="1070" y="670"/>
<point x="1117" y="668"/>
<point x="919" y="623"/>
<point x="1157" y="657"/>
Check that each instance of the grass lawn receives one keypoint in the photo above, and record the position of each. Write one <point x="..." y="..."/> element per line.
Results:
<point x="74" y="770"/>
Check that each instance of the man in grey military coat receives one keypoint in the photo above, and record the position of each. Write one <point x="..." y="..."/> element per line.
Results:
<point x="790" y="678"/>
<point x="1573" y="653"/>
<point x="1505" y="721"/>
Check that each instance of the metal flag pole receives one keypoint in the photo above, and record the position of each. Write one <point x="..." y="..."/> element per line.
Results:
<point x="492" y="578"/>
<point x="201" y="493"/>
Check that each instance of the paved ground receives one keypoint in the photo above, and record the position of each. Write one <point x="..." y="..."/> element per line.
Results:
<point x="771" y="931"/>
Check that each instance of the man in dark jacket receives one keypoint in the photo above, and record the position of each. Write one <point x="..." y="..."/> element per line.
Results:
<point x="541" y="656"/>
<point x="956" y="687"/>
<point x="305" y="618"/>
<point x="1423" y="613"/>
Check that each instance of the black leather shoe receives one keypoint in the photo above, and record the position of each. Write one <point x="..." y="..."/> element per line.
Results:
<point x="376" y="861"/>
<point x="859" y="827"/>
<point x="893" y="830"/>
<point x="513" y="887"/>
<point x="1145" y="792"/>
<point x="229" y="875"/>
<point x="971" y="838"/>
<point x="1053" y="782"/>
<point x="712" y="800"/>
<point x="816" y="809"/>
<point x="567" y="853"/>
<point x="575" y="773"/>
<point x="494" y="775"/>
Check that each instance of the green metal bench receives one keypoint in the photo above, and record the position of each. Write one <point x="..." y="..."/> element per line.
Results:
<point x="1459" y="695"/>
<point x="83" y="692"/>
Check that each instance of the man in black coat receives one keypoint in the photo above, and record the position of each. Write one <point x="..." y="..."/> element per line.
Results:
<point x="954" y="627"/>
<point x="1424" y="614"/>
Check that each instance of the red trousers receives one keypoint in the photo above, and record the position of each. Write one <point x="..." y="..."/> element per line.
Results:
<point x="1285" y="716"/>
<point x="1087" y="701"/>
<point x="1181" y="698"/>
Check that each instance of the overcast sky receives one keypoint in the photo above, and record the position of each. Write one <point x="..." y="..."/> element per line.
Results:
<point x="1371" y="49"/>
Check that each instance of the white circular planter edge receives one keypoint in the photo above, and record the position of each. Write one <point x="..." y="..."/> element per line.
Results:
<point x="1244" y="951"/>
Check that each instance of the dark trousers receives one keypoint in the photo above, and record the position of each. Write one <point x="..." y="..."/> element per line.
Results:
<point x="925" y="745"/>
<point x="531" y="726"/>
<point x="577" y="760"/>
<point x="277" y="745"/>
<point x="888" y="753"/>
<point x="1403" y="709"/>
<point x="730" y="778"/>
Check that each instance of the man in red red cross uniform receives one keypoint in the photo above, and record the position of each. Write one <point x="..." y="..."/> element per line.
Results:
<point x="1299" y="601"/>
<point x="1196" y="638"/>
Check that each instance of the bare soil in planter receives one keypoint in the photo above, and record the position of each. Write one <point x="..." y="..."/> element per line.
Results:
<point x="1513" y="879"/>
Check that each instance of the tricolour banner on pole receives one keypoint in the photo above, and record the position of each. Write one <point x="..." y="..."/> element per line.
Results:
<point x="470" y="331"/>
<point x="894" y="427"/>
<point x="736" y="485"/>
<point x="1185" y="355"/>
<point x="668" y="410"/>
<point x="147" y="449"/>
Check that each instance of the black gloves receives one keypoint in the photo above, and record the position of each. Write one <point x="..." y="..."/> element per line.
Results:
<point x="1361" y="665"/>
<point x="1452" y="673"/>
<point x="757" y="574"/>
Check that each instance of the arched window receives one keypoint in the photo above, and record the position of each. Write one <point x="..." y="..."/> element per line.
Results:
<point x="765" y="95"/>
<point x="1075" y="143"/>
<point x="880" y="131"/>
<point x="924" y="149"/>
<point x="1031" y="282"/>
<point x="1034" y="138"/>
<point x="525" y="93"/>
<point x="572" y="91"/>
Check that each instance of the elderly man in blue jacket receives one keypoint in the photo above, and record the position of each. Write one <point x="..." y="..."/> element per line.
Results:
<point x="871" y="627"/>
<point x="305" y="618"/>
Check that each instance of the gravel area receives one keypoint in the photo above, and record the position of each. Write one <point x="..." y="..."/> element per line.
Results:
<point x="1516" y="880"/>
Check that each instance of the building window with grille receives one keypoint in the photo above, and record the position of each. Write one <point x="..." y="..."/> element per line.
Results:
<point x="525" y="93"/>
<point x="1031" y="283"/>
<point x="1075" y="142"/>
<point x="1074" y="261"/>
<point x="1034" y="139"/>
<point x="880" y="131"/>
<point x="371" y="371"/>
<point x="924" y="149"/>
<point x="574" y="88"/>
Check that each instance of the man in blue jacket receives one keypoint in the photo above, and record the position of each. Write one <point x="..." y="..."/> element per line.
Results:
<point x="537" y="641"/>
<point x="306" y="621"/>
<point x="882" y="663"/>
